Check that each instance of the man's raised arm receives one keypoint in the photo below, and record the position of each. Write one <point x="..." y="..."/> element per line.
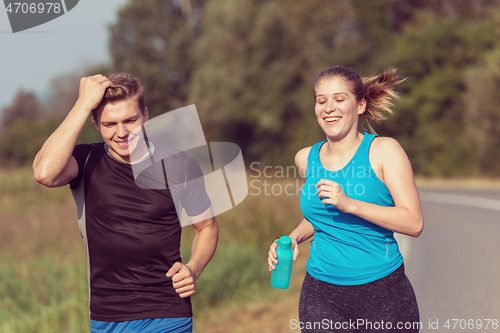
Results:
<point x="53" y="165"/>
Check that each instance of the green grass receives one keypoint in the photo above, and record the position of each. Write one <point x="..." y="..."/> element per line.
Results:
<point x="43" y="286"/>
<point x="19" y="191"/>
<point x="47" y="294"/>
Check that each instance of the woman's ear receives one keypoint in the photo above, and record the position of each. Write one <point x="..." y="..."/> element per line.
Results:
<point x="362" y="107"/>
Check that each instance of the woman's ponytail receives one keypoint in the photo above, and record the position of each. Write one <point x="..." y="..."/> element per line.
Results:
<point x="379" y="93"/>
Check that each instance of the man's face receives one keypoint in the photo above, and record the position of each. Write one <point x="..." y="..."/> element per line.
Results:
<point x="116" y="123"/>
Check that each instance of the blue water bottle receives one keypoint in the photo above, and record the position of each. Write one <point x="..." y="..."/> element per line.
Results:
<point x="280" y="277"/>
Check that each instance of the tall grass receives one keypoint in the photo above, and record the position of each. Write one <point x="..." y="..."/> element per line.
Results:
<point x="18" y="189"/>
<point x="47" y="294"/>
<point x="42" y="264"/>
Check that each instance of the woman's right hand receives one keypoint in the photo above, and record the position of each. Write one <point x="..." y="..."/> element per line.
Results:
<point x="271" y="259"/>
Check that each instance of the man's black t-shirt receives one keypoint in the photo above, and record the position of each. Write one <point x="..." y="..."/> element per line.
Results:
<point x="129" y="219"/>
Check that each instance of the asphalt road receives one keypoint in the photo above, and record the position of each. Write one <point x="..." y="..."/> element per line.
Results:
<point x="454" y="266"/>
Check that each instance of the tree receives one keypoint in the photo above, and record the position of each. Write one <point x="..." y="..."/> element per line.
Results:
<point x="433" y="52"/>
<point x="255" y="62"/>
<point x="481" y="101"/>
<point x="153" y="41"/>
<point x="25" y="106"/>
<point x="23" y="133"/>
<point x="20" y="143"/>
<point x="247" y="65"/>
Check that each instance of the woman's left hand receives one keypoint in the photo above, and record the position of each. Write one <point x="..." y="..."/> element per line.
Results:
<point x="332" y="193"/>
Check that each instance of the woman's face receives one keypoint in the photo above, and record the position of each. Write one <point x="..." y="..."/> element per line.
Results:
<point x="336" y="108"/>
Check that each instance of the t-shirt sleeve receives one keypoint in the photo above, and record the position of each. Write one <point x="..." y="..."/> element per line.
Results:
<point x="194" y="198"/>
<point x="80" y="153"/>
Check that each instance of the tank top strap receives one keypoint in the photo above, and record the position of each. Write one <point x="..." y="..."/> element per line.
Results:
<point x="313" y="162"/>
<point x="364" y="148"/>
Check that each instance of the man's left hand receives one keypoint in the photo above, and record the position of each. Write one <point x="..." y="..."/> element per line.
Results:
<point x="183" y="279"/>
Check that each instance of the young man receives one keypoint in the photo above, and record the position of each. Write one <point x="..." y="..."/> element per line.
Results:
<point x="129" y="222"/>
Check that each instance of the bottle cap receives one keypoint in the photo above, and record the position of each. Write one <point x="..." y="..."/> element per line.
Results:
<point x="285" y="242"/>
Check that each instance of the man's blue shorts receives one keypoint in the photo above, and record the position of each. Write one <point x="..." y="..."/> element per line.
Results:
<point x="165" y="325"/>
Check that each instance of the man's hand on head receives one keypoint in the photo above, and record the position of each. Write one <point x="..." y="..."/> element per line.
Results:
<point x="92" y="90"/>
<point x="183" y="279"/>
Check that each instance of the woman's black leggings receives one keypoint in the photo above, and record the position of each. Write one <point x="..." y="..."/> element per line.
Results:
<point x="385" y="305"/>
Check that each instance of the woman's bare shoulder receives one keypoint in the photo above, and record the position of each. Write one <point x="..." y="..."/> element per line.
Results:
<point x="385" y="148"/>
<point x="301" y="160"/>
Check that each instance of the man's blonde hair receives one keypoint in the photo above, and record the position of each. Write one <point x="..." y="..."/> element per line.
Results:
<point x="124" y="87"/>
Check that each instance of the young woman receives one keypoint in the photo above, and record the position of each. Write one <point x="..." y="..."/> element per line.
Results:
<point x="359" y="189"/>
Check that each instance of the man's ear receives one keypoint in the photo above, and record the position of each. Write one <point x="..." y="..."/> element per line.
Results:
<point x="146" y="114"/>
<point x="96" y="125"/>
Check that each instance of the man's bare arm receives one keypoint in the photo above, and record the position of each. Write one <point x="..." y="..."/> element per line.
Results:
<point x="53" y="165"/>
<point x="205" y="240"/>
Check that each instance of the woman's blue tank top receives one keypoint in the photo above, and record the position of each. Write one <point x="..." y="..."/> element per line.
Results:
<point x="348" y="250"/>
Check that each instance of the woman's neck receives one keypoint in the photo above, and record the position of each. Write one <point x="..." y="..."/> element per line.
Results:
<point x="341" y="147"/>
<point x="336" y="154"/>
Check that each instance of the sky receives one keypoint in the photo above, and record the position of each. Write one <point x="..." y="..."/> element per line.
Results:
<point x="76" y="40"/>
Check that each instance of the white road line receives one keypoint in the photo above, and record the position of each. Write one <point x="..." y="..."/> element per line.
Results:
<point x="450" y="199"/>
<point x="460" y="200"/>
